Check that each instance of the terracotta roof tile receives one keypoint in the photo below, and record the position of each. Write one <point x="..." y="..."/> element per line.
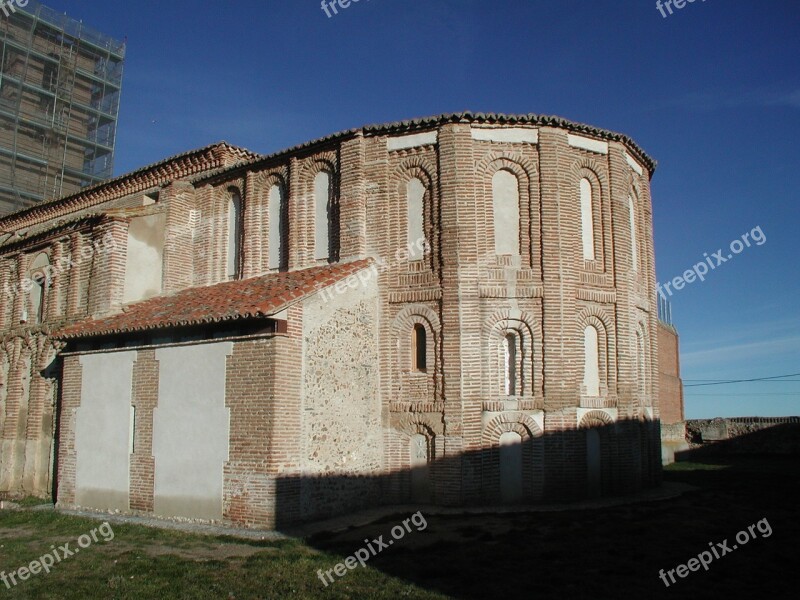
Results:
<point x="231" y="300"/>
<point x="424" y="123"/>
<point x="207" y="158"/>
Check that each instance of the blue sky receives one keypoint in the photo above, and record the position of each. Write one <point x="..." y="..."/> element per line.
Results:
<point x="712" y="92"/>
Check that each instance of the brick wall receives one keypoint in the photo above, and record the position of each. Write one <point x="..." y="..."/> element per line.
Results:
<point x="461" y="292"/>
<point x="669" y="374"/>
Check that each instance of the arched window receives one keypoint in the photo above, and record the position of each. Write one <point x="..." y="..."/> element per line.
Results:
<point x="278" y="222"/>
<point x="591" y="368"/>
<point x="234" y="235"/>
<point x="419" y="348"/>
<point x="40" y="279"/>
<point x="634" y="242"/>
<point x="415" y="199"/>
<point x="505" y="202"/>
<point x="587" y="219"/>
<point x="510" y="344"/>
<point x="323" y="216"/>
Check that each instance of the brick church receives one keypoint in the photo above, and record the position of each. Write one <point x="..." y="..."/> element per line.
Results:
<point x="451" y="310"/>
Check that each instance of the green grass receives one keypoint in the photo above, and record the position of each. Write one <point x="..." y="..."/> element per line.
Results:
<point x="141" y="562"/>
<point x="614" y="552"/>
<point x="28" y="501"/>
<point x="692" y="466"/>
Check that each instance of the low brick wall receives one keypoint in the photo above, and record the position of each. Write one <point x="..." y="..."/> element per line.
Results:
<point x="742" y="435"/>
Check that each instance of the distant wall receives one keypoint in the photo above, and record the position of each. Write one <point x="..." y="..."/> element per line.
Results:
<point x="670" y="386"/>
<point x="742" y="435"/>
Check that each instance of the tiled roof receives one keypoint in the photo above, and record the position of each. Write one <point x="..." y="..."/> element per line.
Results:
<point x="214" y="156"/>
<point x="411" y="125"/>
<point x="228" y="301"/>
<point x="56" y="227"/>
<point x="222" y="158"/>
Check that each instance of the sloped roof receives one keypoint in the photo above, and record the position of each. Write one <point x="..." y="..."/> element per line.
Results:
<point x="257" y="297"/>
<point x="423" y="123"/>
<point x="222" y="158"/>
<point x="207" y="158"/>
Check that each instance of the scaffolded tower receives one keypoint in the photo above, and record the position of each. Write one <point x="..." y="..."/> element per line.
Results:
<point x="59" y="100"/>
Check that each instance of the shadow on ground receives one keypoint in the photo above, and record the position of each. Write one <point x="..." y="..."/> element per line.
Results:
<point x="612" y="552"/>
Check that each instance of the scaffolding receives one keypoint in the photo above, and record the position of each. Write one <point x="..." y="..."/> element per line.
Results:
<point x="60" y="84"/>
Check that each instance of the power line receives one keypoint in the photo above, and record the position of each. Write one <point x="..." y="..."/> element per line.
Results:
<point x="742" y="380"/>
<point x="716" y="381"/>
<point x="723" y="394"/>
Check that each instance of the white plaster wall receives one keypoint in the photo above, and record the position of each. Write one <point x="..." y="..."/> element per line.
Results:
<point x="415" y="198"/>
<point x="413" y="140"/>
<point x="275" y="201"/>
<point x="513" y="135"/>
<point x="510" y="467"/>
<point x="234" y="231"/>
<point x="322" y="198"/>
<point x="190" y="431"/>
<point x="505" y="192"/>
<point x="144" y="260"/>
<point x="102" y="431"/>
<point x="634" y="243"/>
<point x="587" y="221"/>
<point x="584" y="143"/>
<point x="633" y="164"/>
<point x="591" y="367"/>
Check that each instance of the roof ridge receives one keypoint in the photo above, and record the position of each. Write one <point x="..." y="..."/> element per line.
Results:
<point x="457" y="117"/>
<point x="217" y="302"/>
<point x="87" y="191"/>
<point x="250" y="158"/>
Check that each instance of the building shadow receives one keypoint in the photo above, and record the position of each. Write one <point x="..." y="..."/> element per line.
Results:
<point x="506" y="538"/>
<point x="620" y="458"/>
<point x="722" y="441"/>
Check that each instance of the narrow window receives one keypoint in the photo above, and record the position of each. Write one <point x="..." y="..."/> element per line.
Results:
<point x="419" y="348"/>
<point x="634" y="243"/>
<point x="37" y="298"/>
<point x="591" y="368"/>
<point x="505" y="201"/>
<point x="277" y="227"/>
<point x="39" y="277"/>
<point x="415" y="198"/>
<point x="587" y="220"/>
<point x="234" y="234"/>
<point x="510" y="344"/>
<point x="322" y="215"/>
